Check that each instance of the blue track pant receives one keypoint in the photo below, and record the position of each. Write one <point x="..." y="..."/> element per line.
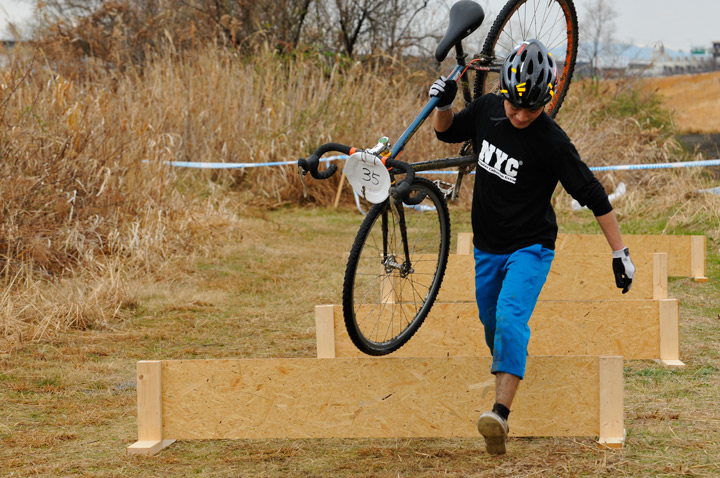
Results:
<point x="507" y="287"/>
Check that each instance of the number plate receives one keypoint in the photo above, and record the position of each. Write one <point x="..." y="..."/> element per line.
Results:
<point x="368" y="176"/>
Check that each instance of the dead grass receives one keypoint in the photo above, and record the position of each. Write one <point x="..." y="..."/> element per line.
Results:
<point x="108" y="260"/>
<point x="69" y="401"/>
<point x="695" y="100"/>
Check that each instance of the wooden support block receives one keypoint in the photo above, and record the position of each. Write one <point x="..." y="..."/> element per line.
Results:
<point x="150" y="447"/>
<point x="670" y="334"/>
<point x="612" y="428"/>
<point x="660" y="275"/>
<point x="374" y="397"/>
<point x="697" y="248"/>
<point x="635" y="329"/>
<point x="150" y="424"/>
<point x="572" y="276"/>
<point x="686" y="254"/>
<point x="465" y="244"/>
<point x="325" y="330"/>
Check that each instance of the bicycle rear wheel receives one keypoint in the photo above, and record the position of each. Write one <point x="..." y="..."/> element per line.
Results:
<point x="553" y="22"/>
<point x="391" y="282"/>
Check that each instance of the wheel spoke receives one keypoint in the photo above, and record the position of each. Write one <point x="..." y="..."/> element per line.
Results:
<point x="386" y="294"/>
<point x="553" y="22"/>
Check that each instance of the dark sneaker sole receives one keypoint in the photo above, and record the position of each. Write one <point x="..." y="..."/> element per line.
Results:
<point x="494" y="433"/>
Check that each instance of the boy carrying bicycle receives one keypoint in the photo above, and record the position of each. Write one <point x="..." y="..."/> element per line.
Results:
<point x="523" y="154"/>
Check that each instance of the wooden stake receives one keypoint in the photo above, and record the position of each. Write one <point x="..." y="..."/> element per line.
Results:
<point x="339" y="190"/>
<point x="465" y="244"/>
<point x="660" y="275"/>
<point x="669" y="333"/>
<point x="325" y="331"/>
<point x="612" y="428"/>
<point x="150" y="420"/>
<point x="698" y="258"/>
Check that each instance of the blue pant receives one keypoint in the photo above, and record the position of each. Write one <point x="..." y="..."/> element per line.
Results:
<point x="507" y="287"/>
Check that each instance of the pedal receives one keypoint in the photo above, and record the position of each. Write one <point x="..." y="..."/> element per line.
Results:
<point x="445" y="188"/>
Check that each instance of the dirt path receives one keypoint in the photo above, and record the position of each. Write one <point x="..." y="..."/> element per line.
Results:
<point x="707" y="144"/>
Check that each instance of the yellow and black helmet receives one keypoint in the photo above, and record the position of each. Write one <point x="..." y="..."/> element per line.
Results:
<point x="529" y="76"/>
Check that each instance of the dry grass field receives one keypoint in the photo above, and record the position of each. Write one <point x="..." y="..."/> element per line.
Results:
<point x="69" y="403"/>
<point x="108" y="257"/>
<point x="694" y="99"/>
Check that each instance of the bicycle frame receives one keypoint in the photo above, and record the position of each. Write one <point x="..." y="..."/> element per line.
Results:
<point x="458" y="74"/>
<point x="421" y="117"/>
<point x="464" y="163"/>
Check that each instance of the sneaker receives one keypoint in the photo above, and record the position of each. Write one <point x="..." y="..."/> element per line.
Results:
<point x="495" y="430"/>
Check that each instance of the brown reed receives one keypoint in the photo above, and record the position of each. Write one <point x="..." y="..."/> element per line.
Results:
<point x="90" y="206"/>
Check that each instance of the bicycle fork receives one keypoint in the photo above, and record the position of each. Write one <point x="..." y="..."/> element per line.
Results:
<point x="389" y="259"/>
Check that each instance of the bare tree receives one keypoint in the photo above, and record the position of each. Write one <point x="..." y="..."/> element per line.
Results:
<point x="399" y="26"/>
<point x="122" y="32"/>
<point x="599" y="28"/>
<point x="356" y="27"/>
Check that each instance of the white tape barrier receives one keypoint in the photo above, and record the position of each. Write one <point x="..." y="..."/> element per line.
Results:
<point x="622" y="167"/>
<point x="620" y="191"/>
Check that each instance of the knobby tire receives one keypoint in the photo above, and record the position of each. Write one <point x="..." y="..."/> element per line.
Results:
<point x="384" y="304"/>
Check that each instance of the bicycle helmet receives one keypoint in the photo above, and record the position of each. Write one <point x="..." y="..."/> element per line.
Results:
<point x="529" y="76"/>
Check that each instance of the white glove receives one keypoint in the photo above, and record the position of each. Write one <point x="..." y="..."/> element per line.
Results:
<point x="445" y="90"/>
<point x="623" y="268"/>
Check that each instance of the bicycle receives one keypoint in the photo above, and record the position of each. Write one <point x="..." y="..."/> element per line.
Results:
<point x="398" y="259"/>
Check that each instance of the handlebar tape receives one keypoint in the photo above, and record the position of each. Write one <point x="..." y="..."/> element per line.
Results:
<point x="312" y="162"/>
<point x="402" y="190"/>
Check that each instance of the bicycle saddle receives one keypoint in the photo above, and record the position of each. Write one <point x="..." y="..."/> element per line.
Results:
<point x="465" y="17"/>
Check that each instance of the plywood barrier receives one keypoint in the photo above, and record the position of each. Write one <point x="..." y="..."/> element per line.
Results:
<point x="367" y="398"/>
<point x="635" y="329"/>
<point x="686" y="254"/>
<point x="572" y="276"/>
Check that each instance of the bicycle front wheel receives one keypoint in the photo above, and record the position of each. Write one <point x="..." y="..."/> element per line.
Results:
<point x="395" y="269"/>
<point x="553" y="22"/>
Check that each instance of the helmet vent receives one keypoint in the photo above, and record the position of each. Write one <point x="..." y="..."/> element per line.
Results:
<point x="529" y="76"/>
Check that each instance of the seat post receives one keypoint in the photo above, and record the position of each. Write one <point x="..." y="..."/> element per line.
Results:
<point x="460" y="57"/>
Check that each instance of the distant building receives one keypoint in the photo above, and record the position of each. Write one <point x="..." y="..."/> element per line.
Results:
<point x="662" y="64"/>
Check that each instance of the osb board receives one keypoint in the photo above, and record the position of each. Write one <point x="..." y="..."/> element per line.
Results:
<point x="678" y="248"/>
<point x="353" y="398"/>
<point x="628" y="328"/>
<point x="571" y="277"/>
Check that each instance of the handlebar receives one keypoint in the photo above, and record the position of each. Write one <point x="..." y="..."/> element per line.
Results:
<point x="310" y="165"/>
<point x="402" y="190"/>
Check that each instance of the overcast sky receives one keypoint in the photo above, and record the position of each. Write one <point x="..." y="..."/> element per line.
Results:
<point x="679" y="24"/>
